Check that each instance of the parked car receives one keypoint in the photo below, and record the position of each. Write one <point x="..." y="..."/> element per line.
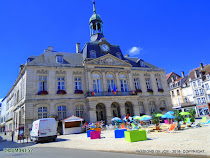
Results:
<point x="44" y="129"/>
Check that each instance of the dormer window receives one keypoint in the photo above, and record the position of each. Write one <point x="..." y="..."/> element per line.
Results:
<point x="118" y="54"/>
<point x="142" y="63"/>
<point x="59" y="58"/>
<point x="30" y="59"/>
<point x="92" y="54"/>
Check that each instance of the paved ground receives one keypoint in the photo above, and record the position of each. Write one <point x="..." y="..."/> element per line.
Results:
<point x="70" y="153"/>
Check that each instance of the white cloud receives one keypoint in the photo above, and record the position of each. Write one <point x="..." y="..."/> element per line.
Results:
<point x="135" y="51"/>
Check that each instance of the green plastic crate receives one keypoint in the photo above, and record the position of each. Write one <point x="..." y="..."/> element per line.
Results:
<point x="135" y="135"/>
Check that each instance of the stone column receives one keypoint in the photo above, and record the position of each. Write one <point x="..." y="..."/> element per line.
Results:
<point x="122" y="109"/>
<point x="117" y="81"/>
<point x="104" y="81"/>
<point x="130" y="80"/>
<point x="143" y="84"/>
<point x="154" y="84"/>
<point x="69" y="82"/>
<point x="92" y="112"/>
<point x="89" y="81"/>
<point x="108" y="113"/>
<point x="136" y="108"/>
<point x="146" y="107"/>
<point x="52" y="82"/>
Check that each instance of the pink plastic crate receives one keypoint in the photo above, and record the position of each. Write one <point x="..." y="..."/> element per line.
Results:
<point x="95" y="135"/>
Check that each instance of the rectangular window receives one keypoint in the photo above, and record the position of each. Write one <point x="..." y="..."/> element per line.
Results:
<point x="124" y="86"/>
<point x="42" y="83"/>
<point x="203" y="100"/>
<point x="178" y="93"/>
<point x="61" y="83"/>
<point x="110" y="84"/>
<point x="199" y="100"/>
<point x="199" y="83"/>
<point x="207" y="86"/>
<point x="201" y="92"/>
<point x="148" y="83"/>
<point x="194" y="84"/>
<point x="172" y="93"/>
<point x="77" y="83"/>
<point x="158" y="81"/>
<point x="136" y="83"/>
<point x="97" y="85"/>
<point x="59" y="59"/>
<point x="196" y="92"/>
<point x="42" y="112"/>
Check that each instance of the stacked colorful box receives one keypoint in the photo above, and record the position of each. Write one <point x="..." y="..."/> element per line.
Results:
<point x="95" y="135"/>
<point x="135" y="135"/>
<point x="88" y="132"/>
<point x="120" y="133"/>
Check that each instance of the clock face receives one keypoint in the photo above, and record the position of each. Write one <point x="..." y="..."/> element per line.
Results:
<point x="105" y="47"/>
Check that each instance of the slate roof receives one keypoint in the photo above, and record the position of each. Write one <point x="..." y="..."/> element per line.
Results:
<point x="49" y="59"/>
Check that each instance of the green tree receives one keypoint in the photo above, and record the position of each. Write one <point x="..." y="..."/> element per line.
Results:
<point x="178" y="117"/>
<point x="155" y="119"/>
<point x="192" y="115"/>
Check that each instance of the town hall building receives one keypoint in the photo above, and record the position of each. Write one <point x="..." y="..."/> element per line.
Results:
<point x="95" y="83"/>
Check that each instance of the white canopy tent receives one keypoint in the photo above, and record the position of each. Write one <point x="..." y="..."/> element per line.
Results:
<point x="72" y="124"/>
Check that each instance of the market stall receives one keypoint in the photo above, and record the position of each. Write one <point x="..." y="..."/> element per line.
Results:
<point x="72" y="124"/>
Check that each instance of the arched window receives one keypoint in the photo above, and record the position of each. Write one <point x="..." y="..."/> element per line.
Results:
<point x="110" y="82"/>
<point x="123" y="83"/>
<point x="92" y="54"/>
<point x="79" y="110"/>
<point x="61" y="112"/>
<point x="152" y="106"/>
<point x="141" y="108"/>
<point x="42" y="112"/>
<point x="96" y="83"/>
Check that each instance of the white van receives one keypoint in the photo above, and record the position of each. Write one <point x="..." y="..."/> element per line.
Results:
<point x="44" y="129"/>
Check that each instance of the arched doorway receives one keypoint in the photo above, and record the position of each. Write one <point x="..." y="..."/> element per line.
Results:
<point x="129" y="108"/>
<point x="100" y="112"/>
<point x="115" y="110"/>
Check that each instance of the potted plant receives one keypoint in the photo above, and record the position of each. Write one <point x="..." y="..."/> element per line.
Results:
<point x="178" y="118"/>
<point x="160" y="90"/>
<point x="192" y="115"/>
<point x="150" y="91"/>
<point x="54" y="116"/>
<point x="42" y="92"/>
<point x="77" y="91"/>
<point x="138" y="91"/>
<point x="61" y="92"/>
<point x="156" y="120"/>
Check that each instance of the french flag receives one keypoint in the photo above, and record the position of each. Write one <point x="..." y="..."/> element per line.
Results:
<point x="114" y="89"/>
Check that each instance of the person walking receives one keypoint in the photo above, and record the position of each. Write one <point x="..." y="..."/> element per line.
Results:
<point x="12" y="134"/>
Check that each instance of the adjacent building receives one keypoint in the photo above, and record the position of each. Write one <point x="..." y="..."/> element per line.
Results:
<point x="96" y="83"/>
<point x="191" y="91"/>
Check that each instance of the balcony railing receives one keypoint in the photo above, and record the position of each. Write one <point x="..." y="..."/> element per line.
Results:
<point x="90" y="94"/>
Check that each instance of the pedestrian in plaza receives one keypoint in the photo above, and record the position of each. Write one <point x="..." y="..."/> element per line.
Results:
<point x="12" y="134"/>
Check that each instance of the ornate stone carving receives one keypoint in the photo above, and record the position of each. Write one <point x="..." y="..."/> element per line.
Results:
<point x="135" y="74"/>
<point x="157" y="75"/>
<point x="60" y="72"/>
<point x="77" y="73"/>
<point x="146" y="74"/>
<point x="42" y="71"/>
<point x="108" y="61"/>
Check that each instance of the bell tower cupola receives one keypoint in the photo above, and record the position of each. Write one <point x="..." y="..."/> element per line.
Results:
<point x="96" y="25"/>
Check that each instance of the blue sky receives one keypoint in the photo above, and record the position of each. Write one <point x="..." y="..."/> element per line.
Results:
<point x="170" y="34"/>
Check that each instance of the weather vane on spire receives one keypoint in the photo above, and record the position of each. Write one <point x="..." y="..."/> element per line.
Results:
<point x="94" y="8"/>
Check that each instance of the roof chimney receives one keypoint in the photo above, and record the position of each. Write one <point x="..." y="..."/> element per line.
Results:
<point x="196" y="73"/>
<point x="201" y="65"/>
<point x="182" y="74"/>
<point x="78" y="48"/>
<point x="126" y="55"/>
<point x="50" y="48"/>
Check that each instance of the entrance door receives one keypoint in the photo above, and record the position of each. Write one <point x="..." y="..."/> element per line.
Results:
<point x="101" y="112"/>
